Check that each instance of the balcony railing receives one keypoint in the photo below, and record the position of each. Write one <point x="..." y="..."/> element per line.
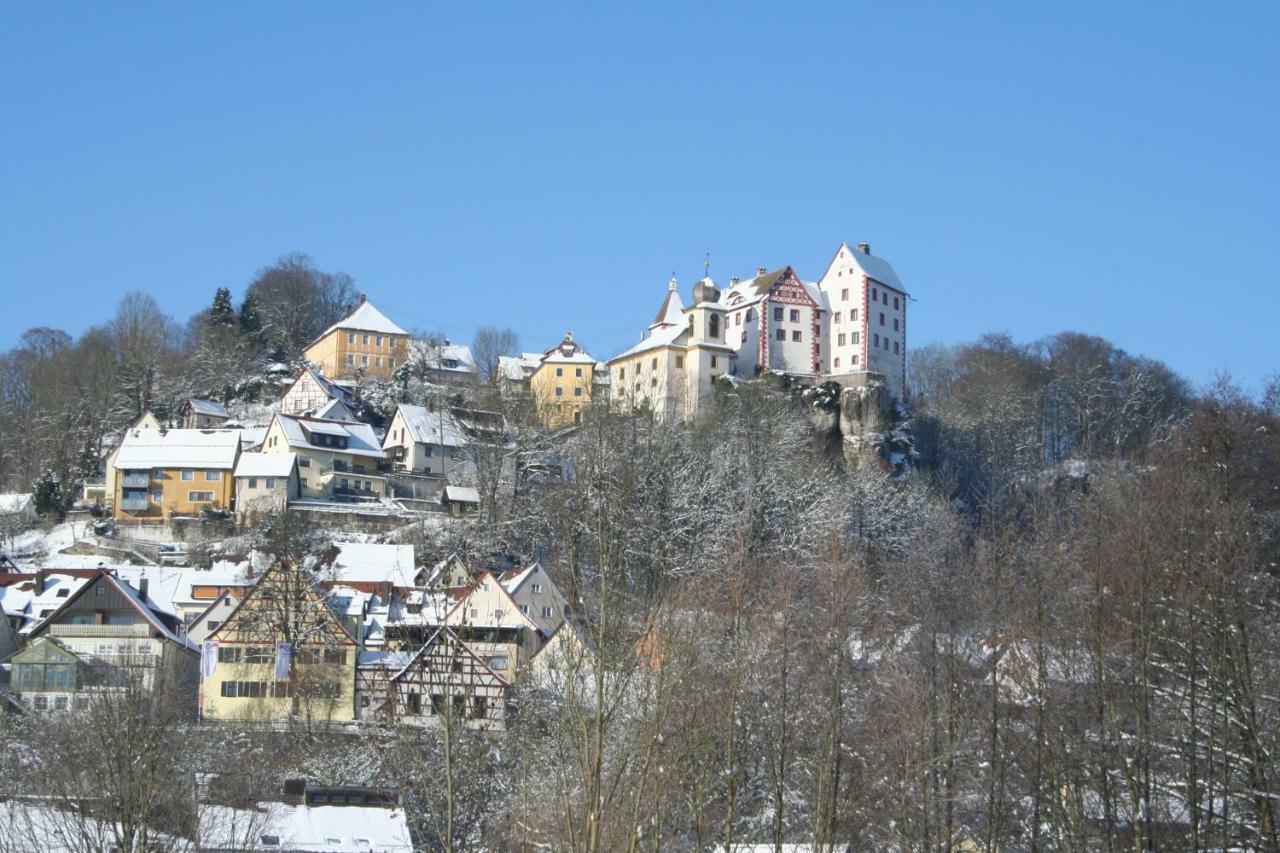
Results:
<point x="139" y="630"/>
<point x="135" y="479"/>
<point x="141" y="504"/>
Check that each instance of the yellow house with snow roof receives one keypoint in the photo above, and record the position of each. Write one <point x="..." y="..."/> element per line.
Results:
<point x="365" y="341"/>
<point x="160" y="473"/>
<point x="562" y="382"/>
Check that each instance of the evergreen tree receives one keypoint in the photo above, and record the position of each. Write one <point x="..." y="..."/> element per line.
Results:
<point x="48" y="494"/>
<point x="250" y="322"/>
<point x="222" y="314"/>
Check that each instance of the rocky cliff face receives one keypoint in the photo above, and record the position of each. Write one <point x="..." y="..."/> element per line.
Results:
<point x="875" y="430"/>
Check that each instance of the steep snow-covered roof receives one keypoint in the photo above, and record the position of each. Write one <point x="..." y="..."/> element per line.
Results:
<point x="334" y="829"/>
<point x="178" y="448"/>
<point x="462" y="494"/>
<point x="18" y="502"/>
<point x="672" y="310"/>
<point x="518" y="367"/>
<point x="873" y="267"/>
<point x="427" y="427"/>
<point x="447" y="357"/>
<point x="366" y="318"/>
<point x="265" y="464"/>
<point x="660" y="336"/>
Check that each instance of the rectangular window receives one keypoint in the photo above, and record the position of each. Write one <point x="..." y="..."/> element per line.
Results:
<point x="188" y="474"/>
<point x="655" y="364"/>
<point x="391" y="342"/>
<point x="364" y="360"/>
<point x="874" y="295"/>
<point x="679" y="361"/>
<point x="622" y="373"/>
<point x="877" y="341"/>
<point x="853" y="315"/>
<point x="744" y="336"/>
<point x="844" y="293"/>
<point x="304" y="463"/>
<point x="351" y="359"/>
<point x="559" y="371"/>
<point x="577" y="371"/>
<point x="365" y="340"/>
<point x="895" y="303"/>
<point x="856" y="338"/>
<point x="836" y="363"/>
<point x="157" y="474"/>
<point x="537" y="588"/>
<point x="836" y="317"/>
<point x="212" y="476"/>
<point x="546" y="613"/>
<point x="577" y="392"/>
<point x="884" y="298"/>
<point x="895" y="348"/>
<point x="777" y="314"/>
<point x="881" y="318"/>
<point x="253" y="482"/>
<point x="795" y="335"/>
<point x="855" y="361"/>
<point x="200" y="497"/>
<point x="840" y="339"/>
<point x="895" y="324"/>
<point x="229" y="690"/>
<point x="377" y="361"/>
<point x="228" y="654"/>
<point x="270" y="482"/>
<point x="257" y="654"/>
<point x="379" y="341"/>
<point x="715" y="361"/>
<point x="780" y="334"/>
<point x="157" y="497"/>
<point x="795" y="315"/>
<point x="559" y="391"/>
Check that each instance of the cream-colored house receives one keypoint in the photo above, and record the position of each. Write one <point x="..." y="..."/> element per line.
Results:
<point x="282" y="653"/>
<point x="491" y="622"/>
<point x="337" y="460"/>
<point x="537" y="597"/>
<point x="311" y="393"/>
<point x="364" y="342"/>
<point x="563" y="383"/>
<point x="265" y="483"/>
<point x="672" y="371"/>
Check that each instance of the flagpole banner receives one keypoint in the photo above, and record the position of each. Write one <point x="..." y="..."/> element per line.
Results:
<point x="209" y="658"/>
<point x="284" y="655"/>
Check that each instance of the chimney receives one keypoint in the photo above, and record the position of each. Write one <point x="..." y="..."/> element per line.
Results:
<point x="37" y="584"/>
<point x="864" y="248"/>
<point x="733" y="280"/>
<point x="294" y="789"/>
<point x="363" y="298"/>
<point x="142" y="588"/>
<point x="760" y="271"/>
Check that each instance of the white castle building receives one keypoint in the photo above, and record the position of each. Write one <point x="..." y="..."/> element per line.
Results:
<point x="851" y="326"/>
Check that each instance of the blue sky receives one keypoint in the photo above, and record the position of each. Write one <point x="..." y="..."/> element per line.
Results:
<point x="1028" y="168"/>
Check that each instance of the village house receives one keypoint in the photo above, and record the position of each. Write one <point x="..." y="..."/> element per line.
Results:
<point x="537" y="597"/>
<point x="265" y="483"/>
<point x="17" y="513"/>
<point x="445" y="682"/>
<point x="491" y="622"/>
<point x="776" y="322"/>
<point x="337" y="460"/>
<point x="672" y="371"/>
<point x="310" y="817"/>
<point x="563" y="383"/>
<point x="174" y="472"/>
<point x="441" y="441"/>
<point x="312" y="394"/>
<point x="202" y="414"/>
<point x="105" y="635"/>
<point x="514" y="371"/>
<point x="281" y="653"/>
<point x="207" y="621"/>
<point x="364" y="342"/>
<point x="442" y="361"/>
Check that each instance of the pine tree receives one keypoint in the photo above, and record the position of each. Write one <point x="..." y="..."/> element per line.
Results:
<point x="222" y="314"/>
<point x="250" y="322"/>
<point x="48" y="494"/>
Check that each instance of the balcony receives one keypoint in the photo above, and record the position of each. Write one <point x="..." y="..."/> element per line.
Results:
<point x="141" y="630"/>
<point x="135" y="479"/>
<point x="135" y="503"/>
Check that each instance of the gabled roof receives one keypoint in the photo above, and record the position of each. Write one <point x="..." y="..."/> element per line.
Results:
<point x="444" y="633"/>
<point x="334" y="410"/>
<point x="478" y="588"/>
<point x="518" y="367"/>
<point x="428" y="427"/>
<point x="512" y="581"/>
<point x="877" y="269"/>
<point x="366" y="318"/>
<point x="334" y="390"/>
<point x="178" y="448"/>
<point x="568" y="351"/>
<point x="319" y="599"/>
<point x="447" y="357"/>
<point x="129" y="594"/>
<point x="365" y="562"/>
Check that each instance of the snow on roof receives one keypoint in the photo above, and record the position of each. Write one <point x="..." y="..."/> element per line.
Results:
<point x="20" y="601"/>
<point x="178" y="448"/>
<point x="361" y="440"/>
<point x="366" y="562"/>
<point x="876" y="268"/>
<point x="252" y="436"/>
<point x="332" y="829"/>
<point x="511" y="581"/>
<point x="208" y="407"/>
<point x="16" y="502"/>
<point x="672" y="310"/>
<point x="427" y="427"/>
<point x="518" y="367"/>
<point x="333" y="410"/>
<point x="462" y="494"/>
<point x="660" y="336"/>
<point x="45" y="826"/>
<point x="266" y="464"/>
<point x="454" y="358"/>
<point x="366" y="318"/>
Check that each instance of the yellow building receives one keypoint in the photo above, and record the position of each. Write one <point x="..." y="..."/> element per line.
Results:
<point x="562" y="384"/>
<point x="160" y="473"/>
<point x="281" y="654"/>
<point x="364" y="342"/>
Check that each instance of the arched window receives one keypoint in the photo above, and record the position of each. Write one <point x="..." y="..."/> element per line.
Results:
<point x="714" y="326"/>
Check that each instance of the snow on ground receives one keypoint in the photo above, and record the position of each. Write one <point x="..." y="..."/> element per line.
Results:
<point x="39" y="542"/>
